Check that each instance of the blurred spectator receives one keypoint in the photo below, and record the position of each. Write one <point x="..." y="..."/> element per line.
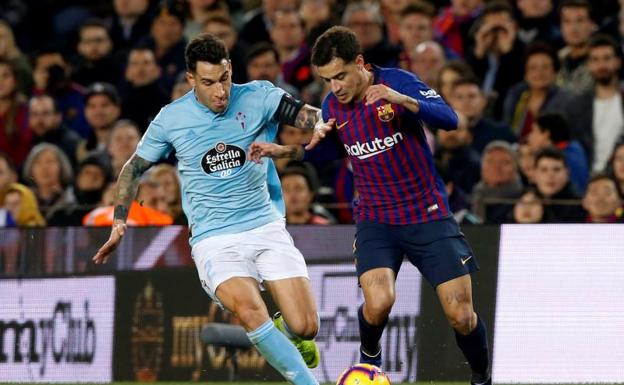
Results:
<point x="617" y="165"/>
<point x="450" y="73"/>
<point x="458" y="200"/>
<point x="258" y="22"/>
<point x="598" y="116"/>
<point x="92" y="177"/>
<point x="529" y="208"/>
<point x="287" y="34"/>
<point x="48" y="171"/>
<point x="499" y="183"/>
<point x="263" y="64"/>
<point x="526" y="163"/>
<point x="199" y="11"/>
<point x="552" y="180"/>
<point x="537" y="93"/>
<point x="366" y="21"/>
<point x="415" y="27"/>
<point x="468" y="100"/>
<point x="122" y="142"/>
<point x="15" y="135"/>
<point x="51" y="76"/>
<point x="602" y="201"/>
<point x="22" y="205"/>
<point x="102" y="109"/>
<point x="130" y="23"/>
<point x="168" y="181"/>
<point x="10" y="51"/>
<point x="167" y="42"/>
<point x="577" y="27"/>
<point x="536" y="21"/>
<point x="496" y="53"/>
<point x="140" y="214"/>
<point x="94" y="62"/>
<point x="8" y="174"/>
<point x="145" y="96"/>
<point x="315" y="15"/>
<point x="454" y="23"/>
<point x="290" y="135"/>
<point x="299" y="191"/>
<point x="551" y="129"/>
<point x="223" y="28"/>
<point x="391" y="13"/>
<point x="46" y="123"/>
<point x="181" y="87"/>
<point x="455" y="155"/>
<point x="427" y="60"/>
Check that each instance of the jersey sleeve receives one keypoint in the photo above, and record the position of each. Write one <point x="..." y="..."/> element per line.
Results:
<point x="269" y="97"/>
<point x="154" y="144"/>
<point x="433" y="110"/>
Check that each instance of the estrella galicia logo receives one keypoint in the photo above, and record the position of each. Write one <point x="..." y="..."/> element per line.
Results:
<point x="223" y="160"/>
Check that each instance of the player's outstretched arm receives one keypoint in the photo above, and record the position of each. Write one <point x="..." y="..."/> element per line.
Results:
<point x="258" y="150"/>
<point x="127" y="185"/>
<point x="296" y="113"/>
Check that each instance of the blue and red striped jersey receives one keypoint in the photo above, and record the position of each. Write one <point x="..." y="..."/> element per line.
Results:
<point x="393" y="166"/>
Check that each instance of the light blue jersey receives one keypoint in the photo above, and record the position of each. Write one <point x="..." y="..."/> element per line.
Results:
<point x="223" y="192"/>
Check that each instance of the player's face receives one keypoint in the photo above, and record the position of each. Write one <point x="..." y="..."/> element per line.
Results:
<point x="212" y="83"/>
<point x="348" y="81"/>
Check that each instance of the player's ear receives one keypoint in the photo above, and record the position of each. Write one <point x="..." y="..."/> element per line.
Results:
<point x="359" y="60"/>
<point x="190" y="78"/>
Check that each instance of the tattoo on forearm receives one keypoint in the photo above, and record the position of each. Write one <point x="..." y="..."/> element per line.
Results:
<point x="127" y="185"/>
<point x="307" y="117"/>
<point x="296" y="152"/>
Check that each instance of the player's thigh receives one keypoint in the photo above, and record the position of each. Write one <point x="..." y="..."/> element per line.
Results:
<point x="376" y="247"/>
<point x="221" y="258"/>
<point x="241" y="296"/>
<point x="439" y="250"/>
<point x="294" y="298"/>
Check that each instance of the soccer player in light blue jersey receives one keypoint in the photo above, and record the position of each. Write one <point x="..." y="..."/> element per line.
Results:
<point x="233" y="203"/>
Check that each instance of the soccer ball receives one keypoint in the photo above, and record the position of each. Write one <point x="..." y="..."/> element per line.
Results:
<point x="363" y="374"/>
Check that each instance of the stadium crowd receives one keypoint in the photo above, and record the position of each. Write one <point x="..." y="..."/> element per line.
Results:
<point x="536" y="84"/>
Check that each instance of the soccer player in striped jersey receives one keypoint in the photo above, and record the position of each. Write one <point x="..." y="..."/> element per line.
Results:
<point x="402" y="208"/>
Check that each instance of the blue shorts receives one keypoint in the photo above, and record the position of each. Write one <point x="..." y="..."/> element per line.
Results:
<point x="438" y="249"/>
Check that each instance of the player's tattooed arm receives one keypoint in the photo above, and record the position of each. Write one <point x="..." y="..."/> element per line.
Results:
<point x="308" y="117"/>
<point x="258" y="150"/>
<point x="127" y="185"/>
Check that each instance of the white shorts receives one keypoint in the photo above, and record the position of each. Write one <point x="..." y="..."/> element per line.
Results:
<point x="265" y="253"/>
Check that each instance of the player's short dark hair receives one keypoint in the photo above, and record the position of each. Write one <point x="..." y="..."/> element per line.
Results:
<point x="260" y="49"/>
<point x="336" y="42"/>
<point x="604" y="40"/>
<point x="420" y="8"/>
<point x="542" y="48"/>
<point x="575" y="4"/>
<point x="550" y="153"/>
<point x="205" y="47"/>
<point x="556" y="124"/>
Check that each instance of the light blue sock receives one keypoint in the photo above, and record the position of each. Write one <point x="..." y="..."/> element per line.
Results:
<point x="281" y="354"/>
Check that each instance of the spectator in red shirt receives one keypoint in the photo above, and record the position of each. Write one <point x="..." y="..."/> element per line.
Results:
<point x="15" y="135"/>
<point x="299" y="192"/>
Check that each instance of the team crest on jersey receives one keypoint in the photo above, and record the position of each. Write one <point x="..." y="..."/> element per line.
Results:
<point x="223" y="160"/>
<point x="385" y="112"/>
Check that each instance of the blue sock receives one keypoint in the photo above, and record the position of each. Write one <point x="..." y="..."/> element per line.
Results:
<point x="281" y="354"/>
<point x="475" y="348"/>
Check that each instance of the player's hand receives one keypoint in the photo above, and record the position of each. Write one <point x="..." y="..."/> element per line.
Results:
<point x="117" y="232"/>
<point x="320" y="131"/>
<point x="258" y="150"/>
<point x="378" y="92"/>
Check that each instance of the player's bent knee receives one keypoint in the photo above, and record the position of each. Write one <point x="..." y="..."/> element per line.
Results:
<point x="251" y="316"/>
<point x="380" y="306"/>
<point x="461" y="320"/>
<point x="305" y="327"/>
